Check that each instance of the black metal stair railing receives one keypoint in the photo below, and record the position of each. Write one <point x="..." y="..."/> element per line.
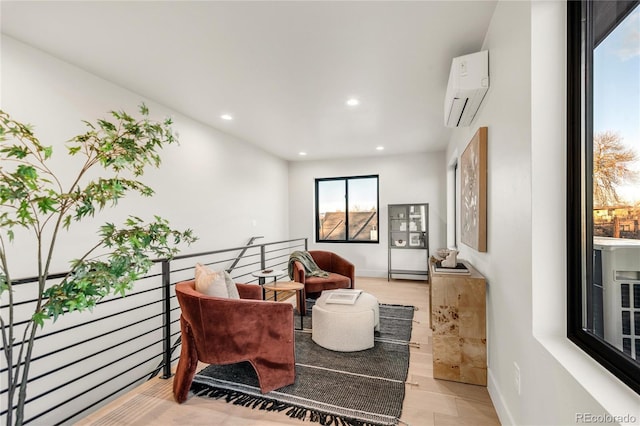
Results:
<point x="86" y="359"/>
<point x="242" y="252"/>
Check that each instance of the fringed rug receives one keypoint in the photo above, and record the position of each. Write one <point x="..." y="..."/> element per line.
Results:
<point x="364" y="388"/>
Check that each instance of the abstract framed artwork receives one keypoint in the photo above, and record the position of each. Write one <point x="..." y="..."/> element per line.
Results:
<point x="473" y="197"/>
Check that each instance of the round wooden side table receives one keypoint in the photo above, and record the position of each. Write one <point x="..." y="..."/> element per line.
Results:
<point x="287" y="286"/>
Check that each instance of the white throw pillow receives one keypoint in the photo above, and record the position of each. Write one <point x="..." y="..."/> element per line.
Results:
<point x="231" y="286"/>
<point x="210" y="282"/>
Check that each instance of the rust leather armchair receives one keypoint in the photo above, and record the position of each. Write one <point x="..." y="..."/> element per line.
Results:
<point x="225" y="331"/>
<point x="341" y="275"/>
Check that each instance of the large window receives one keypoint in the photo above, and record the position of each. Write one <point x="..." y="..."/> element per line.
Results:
<point x="347" y="209"/>
<point x="603" y="178"/>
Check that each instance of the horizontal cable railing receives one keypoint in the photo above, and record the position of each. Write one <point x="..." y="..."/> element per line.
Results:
<point x="85" y="359"/>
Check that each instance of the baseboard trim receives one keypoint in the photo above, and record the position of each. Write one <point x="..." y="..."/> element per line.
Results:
<point x="371" y="273"/>
<point x="498" y="401"/>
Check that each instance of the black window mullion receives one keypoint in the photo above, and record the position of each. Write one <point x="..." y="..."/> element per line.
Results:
<point x="317" y="218"/>
<point x="346" y="209"/>
<point x="575" y="31"/>
<point x="587" y="142"/>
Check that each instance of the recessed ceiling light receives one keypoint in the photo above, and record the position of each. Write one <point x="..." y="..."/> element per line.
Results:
<point x="302" y="153"/>
<point x="353" y="102"/>
<point x="380" y="148"/>
<point x="226" y="117"/>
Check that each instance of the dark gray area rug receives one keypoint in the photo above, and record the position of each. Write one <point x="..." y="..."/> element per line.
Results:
<point x="363" y="388"/>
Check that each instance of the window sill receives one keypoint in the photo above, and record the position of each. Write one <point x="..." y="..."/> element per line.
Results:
<point x="612" y="394"/>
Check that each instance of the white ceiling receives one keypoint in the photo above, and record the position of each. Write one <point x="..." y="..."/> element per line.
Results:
<point x="282" y="69"/>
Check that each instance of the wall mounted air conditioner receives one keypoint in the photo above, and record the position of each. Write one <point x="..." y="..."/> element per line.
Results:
<point x="468" y="83"/>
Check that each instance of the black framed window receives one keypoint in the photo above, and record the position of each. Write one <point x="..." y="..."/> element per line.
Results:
<point x="347" y="209"/>
<point x="603" y="183"/>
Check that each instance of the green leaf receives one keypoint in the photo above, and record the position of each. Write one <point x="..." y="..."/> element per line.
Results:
<point x="73" y="150"/>
<point x="4" y="285"/>
<point x="16" y="151"/>
<point x="26" y="172"/>
<point x="105" y="125"/>
<point x="24" y="212"/>
<point x="46" y="204"/>
<point x="39" y="317"/>
<point x="47" y="152"/>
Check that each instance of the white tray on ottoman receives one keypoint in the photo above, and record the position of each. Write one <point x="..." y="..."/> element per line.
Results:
<point x="345" y="327"/>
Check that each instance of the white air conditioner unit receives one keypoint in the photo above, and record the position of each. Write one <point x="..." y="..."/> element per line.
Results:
<point x="468" y="83"/>
<point x="616" y="297"/>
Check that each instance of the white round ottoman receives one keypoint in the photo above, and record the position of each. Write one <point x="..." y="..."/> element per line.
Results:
<point x="345" y="328"/>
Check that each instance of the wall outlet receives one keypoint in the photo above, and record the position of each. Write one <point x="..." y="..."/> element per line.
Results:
<point x="516" y="377"/>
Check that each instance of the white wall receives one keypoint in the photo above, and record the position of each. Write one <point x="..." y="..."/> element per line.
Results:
<point x="524" y="265"/>
<point x="506" y="264"/>
<point x="223" y="188"/>
<point x="587" y="386"/>
<point x="418" y="178"/>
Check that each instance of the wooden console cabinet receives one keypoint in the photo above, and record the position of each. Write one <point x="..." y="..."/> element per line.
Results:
<point x="458" y="319"/>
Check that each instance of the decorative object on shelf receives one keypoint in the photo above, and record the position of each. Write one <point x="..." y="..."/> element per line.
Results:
<point x="399" y="243"/>
<point x="442" y="253"/>
<point x="451" y="260"/>
<point x="473" y="198"/>
<point x="415" y="240"/>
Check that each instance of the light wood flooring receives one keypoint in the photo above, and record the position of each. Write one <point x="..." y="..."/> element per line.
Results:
<point x="427" y="401"/>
